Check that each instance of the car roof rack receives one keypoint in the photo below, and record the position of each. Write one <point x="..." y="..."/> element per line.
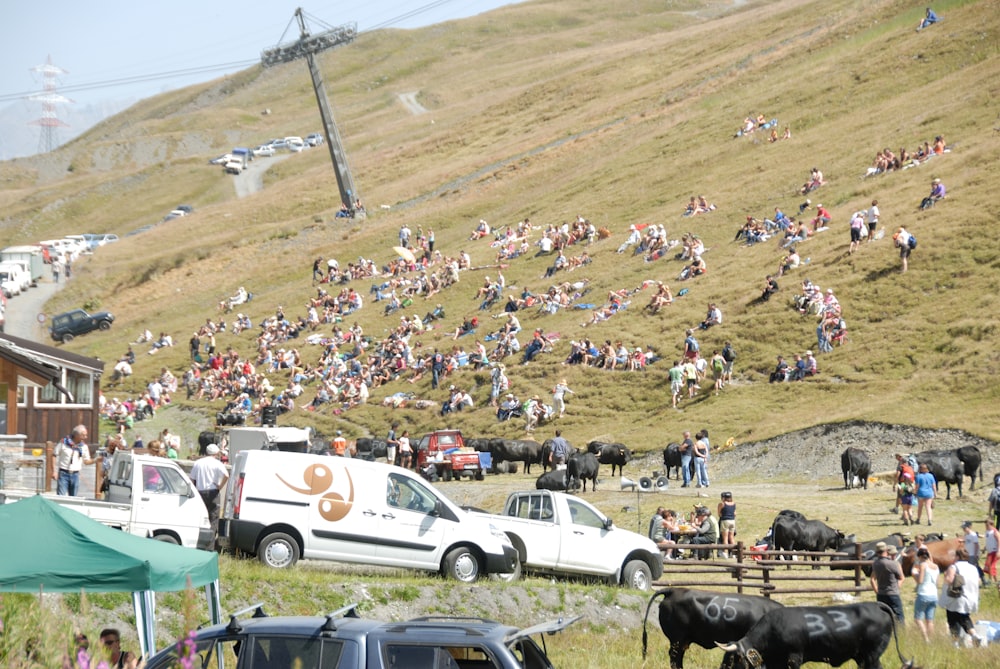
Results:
<point x="234" y="626"/>
<point x="452" y="619"/>
<point x="349" y="611"/>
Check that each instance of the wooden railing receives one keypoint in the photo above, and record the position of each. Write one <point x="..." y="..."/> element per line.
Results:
<point x="772" y="572"/>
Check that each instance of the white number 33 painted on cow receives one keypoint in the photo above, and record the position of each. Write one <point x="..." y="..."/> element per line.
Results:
<point x="817" y="625"/>
<point x="726" y="611"/>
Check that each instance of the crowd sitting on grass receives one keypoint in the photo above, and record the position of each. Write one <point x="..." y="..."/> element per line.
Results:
<point x="814" y="181"/>
<point x="699" y="205"/>
<point x="887" y="161"/>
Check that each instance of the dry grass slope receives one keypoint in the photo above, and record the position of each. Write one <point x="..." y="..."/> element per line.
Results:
<point x="618" y="112"/>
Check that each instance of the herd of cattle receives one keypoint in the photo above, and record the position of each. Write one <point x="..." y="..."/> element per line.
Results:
<point x="759" y="632"/>
<point x="948" y="467"/>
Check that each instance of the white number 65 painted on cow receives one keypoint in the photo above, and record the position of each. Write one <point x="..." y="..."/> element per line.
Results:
<point x="727" y="612"/>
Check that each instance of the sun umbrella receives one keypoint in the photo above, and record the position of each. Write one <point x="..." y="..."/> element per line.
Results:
<point x="404" y="253"/>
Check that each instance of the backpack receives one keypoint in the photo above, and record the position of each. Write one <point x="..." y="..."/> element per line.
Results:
<point x="728" y="353"/>
<point x="957" y="587"/>
<point x="693" y="344"/>
<point x="912" y="243"/>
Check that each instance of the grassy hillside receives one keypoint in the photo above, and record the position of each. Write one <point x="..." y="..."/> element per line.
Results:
<point x="615" y="111"/>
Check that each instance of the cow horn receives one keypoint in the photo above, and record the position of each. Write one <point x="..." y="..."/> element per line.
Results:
<point x="730" y="648"/>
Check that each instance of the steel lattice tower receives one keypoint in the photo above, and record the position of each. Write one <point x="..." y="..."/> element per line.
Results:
<point x="307" y="46"/>
<point x="48" y="138"/>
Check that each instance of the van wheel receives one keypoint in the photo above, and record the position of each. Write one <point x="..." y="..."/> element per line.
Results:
<point x="512" y="576"/>
<point x="462" y="565"/>
<point x="167" y="539"/>
<point x="637" y="576"/>
<point x="278" y="550"/>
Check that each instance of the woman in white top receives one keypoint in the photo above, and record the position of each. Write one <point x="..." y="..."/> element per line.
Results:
<point x="925" y="573"/>
<point x="405" y="452"/>
<point x="960" y="608"/>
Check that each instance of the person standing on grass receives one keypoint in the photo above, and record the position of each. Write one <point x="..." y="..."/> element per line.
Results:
<point x="886" y="577"/>
<point x="902" y="240"/>
<point x="676" y="376"/>
<point x="991" y="539"/>
<point x="559" y="396"/>
<point x="727" y="521"/>
<point x="687" y="452"/>
<point x="960" y="608"/>
<point x="857" y="225"/>
<point x="925" y="573"/>
<point x="872" y="216"/>
<point x="68" y="457"/>
<point x="926" y="483"/>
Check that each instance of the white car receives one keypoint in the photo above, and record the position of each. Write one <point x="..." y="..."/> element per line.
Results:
<point x="314" y="139"/>
<point x="265" y="150"/>
<point x="109" y="238"/>
<point x="294" y="144"/>
<point x="277" y="144"/>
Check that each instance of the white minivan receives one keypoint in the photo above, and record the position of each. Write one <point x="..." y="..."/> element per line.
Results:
<point x="281" y="506"/>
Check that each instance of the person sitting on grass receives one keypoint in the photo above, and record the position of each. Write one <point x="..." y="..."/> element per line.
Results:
<point x="930" y="18"/>
<point x="790" y="261"/>
<point x="938" y="192"/>
<point x="660" y="299"/>
<point x="770" y="288"/>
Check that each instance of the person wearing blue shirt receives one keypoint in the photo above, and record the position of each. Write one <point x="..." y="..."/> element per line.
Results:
<point x="926" y="484"/>
<point x="929" y="19"/>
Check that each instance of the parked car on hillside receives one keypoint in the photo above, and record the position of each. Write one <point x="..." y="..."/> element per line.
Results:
<point x="344" y="640"/>
<point x="9" y="284"/>
<point x="278" y="143"/>
<point x="66" y="326"/>
<point x="314" y="139"/>
<point x="176" y="213"/>
<point x="294" y="144"/>
<point x="16" y="271"/>
<point x="108" y="238"/>
<point x="264" y="150"/>
<point x="186" y="208"/>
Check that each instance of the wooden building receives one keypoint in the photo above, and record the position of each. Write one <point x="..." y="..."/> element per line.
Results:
<point x="46" y="391"/>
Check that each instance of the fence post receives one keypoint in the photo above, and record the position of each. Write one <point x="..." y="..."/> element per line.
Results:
<point x="767" y="580"/>
<point x="739" y="563"/>
<point x="49" y="466"/>
<point x="857" y="567"/>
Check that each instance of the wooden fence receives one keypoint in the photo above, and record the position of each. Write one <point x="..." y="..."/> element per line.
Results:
<point x="773" y="572"/>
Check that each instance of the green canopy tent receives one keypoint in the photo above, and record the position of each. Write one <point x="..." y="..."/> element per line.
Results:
<point x="62" y="550"/>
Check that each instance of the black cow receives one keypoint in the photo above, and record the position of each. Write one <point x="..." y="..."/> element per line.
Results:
<point x="705" y="618"/>
<point x="769" y="537"/>
<point x="616" y="455"/>
<point x="790" y="636"/>
<point x="554" y="480"/>
<point x="371" y="449"/>
<point x="795" y="534"/>
<point x="848" y="548"/>
<point x="516" y="450"/>
<point x="581" y="467"/>
<point x="855" y="463"/>
<point x="204" y="439"/>
<point x="672" y="460"/>
<point x="547" y="451"/>
<point x="479" y="444"/>
<point x="972" y="459"/>
<point x="946" y="467"/>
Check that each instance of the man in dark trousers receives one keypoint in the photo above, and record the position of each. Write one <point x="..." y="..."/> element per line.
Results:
<point x="886" y="577"/>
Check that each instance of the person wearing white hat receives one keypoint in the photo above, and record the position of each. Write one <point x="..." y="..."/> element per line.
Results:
<point x="559" y="396"/>
<point x="210" y="476"/>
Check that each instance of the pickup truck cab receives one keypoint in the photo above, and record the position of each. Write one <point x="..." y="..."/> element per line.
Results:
<point x="557" y="533"/>
<point x="147" y="496"/>
<point x="446" y="451"/>
<point x="343" y="640"/>
<point x="281" y="506"/>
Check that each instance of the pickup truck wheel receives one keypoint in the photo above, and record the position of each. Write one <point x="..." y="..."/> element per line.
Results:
<point x="511" y="577"/>
<point x="167" y="539"/>
<point x="278" y="550"/>
<point x="479" y="475"/>
<point x="462" y="565"/>
<point x="637" y="575"/>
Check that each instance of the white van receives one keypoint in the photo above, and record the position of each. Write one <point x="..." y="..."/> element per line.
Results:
<point x="282" y="506"/>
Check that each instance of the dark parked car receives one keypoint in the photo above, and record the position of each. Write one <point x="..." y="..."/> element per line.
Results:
<point x="350" y="642"/>
<point x="77" y="322"/>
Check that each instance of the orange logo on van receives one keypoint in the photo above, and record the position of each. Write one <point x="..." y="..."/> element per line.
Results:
<point x="318" y="480"/>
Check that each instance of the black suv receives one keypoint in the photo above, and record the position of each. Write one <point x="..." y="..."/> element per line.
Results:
<point x="342" y="640"/>
<point x="77" y="322"/>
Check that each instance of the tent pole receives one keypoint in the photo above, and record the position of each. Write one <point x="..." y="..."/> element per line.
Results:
<point x="144" y="604"/>
<point x="214" y="600"/>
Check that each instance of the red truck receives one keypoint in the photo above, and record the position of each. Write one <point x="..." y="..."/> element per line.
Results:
<point x="446" y="450"/>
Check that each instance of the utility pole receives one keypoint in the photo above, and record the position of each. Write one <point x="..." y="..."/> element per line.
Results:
<point x="307" y="46"/>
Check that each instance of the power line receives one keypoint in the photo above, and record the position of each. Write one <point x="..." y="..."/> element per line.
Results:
<point x="207" y="69"/>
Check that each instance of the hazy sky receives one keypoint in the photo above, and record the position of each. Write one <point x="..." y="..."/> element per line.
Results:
<point x="101" y="41"/>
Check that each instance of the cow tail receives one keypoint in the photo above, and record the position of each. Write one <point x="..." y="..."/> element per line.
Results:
<point x="658" y="593"/>
<point x="895" y="635"/>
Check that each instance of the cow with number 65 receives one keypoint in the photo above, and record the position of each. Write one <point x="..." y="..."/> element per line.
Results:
<point x="706" y="618"/>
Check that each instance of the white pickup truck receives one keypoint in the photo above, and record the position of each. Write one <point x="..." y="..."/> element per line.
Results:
<point x="557" y="533"/>
<point x="147" y="496"/>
